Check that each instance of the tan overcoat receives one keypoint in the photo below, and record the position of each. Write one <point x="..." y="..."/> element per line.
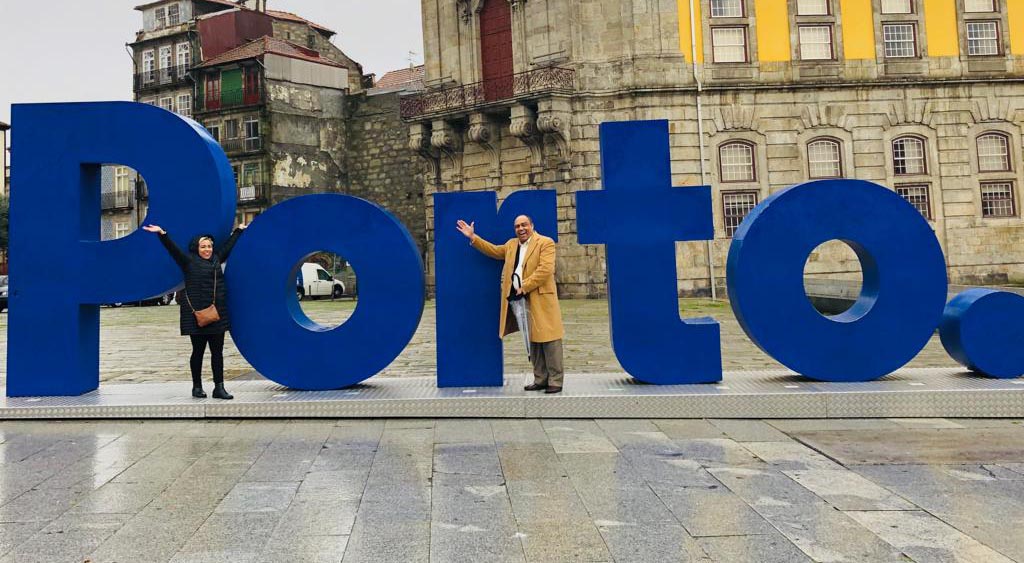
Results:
<point x="538" y="283"/>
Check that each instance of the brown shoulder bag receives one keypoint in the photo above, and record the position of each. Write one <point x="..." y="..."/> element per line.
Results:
<point x="208" y="315"/>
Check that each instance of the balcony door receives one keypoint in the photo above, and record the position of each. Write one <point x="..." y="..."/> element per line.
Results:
<point x="496" y="49"/>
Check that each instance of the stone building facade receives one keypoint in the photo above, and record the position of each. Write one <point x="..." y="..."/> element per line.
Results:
<point x="925" y="97"/>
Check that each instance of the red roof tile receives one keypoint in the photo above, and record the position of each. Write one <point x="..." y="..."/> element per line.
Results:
<point x="401" y="77"/>
<point x="288" y="16"/>
<point x="267" y="44"/>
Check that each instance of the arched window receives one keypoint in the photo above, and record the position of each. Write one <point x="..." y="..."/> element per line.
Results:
<point x="993" y="152"/>
<point x="824" y="158"/>
<point x="908" y="156"/>
<point x="736" y="162"/>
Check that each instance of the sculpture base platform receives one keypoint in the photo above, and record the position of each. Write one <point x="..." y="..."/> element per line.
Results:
<point x="923" y="392"/>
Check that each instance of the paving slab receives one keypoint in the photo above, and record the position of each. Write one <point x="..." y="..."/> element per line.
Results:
<point x="920" y="446"/>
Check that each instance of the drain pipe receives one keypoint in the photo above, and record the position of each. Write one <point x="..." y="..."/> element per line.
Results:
<point x="700" y="140"/>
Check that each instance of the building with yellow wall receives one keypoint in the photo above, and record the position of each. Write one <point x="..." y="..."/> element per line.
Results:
<point x="923" y="96"/>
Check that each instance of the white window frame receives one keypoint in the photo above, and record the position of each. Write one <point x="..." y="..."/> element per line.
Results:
<point x="923" y="158"/>
<point x="1003" y="152"/>
<point x="749" y="163"/>
<point x="974" y="44"/>
<point x="184" y="57"/>
<point x="831" y="55"/>
<point x="184" y="104"/>
<point x="725" y="11"/>
<point x="887" y="7"/>
<point x="148" y="66"/>
<point x="716" y="45"/>
<point x="835" y="164"/>
<point x="900" y="42"/>
<point x="975" y="6"/>
<point x="177" y="14"/>
<point x="122" y="229"/>
<point x="805" y="8"/>
<point x="167" y="102"/>
<point x="122" y="177"/>
<point x="160" y="15"/>
<point x="251" y="142"/>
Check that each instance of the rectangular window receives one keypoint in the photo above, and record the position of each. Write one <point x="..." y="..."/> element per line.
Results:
<point x="729" y="44"/>
<point x="997" y="200"/>
<point x="974" y="6"/>
<point x="167" y="103"/>
<point x="185" y="105"/>
<point x="982" y="38"/>
<point x="148" y="66"/>
<point x="918" y="197"/>
<point x="737" y="205"/>
<point x="231" y="129"/>
<point x="900" y="40"/>
<point x="252" y="134"/>
<point x="214" y="131"/>
<point x="173" y="14"/>
<point x="122" y="179"/>
<point x="251" y="175"/>
<point x="815" y="42"/>
<point x="212" y="92"/>
<point x="161" y="17"/>
<point x="184" y="57"/>
<point x="727" y="8"/>
<point x="150" y="101"/>
<point x="166" y="72"/>
<point x="121" y="229"/>
<point x="897" y="7"/>
<point x="236" y="169"/>
<point x="812" y="8"/>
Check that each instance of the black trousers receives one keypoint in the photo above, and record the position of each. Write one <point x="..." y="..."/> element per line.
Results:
<point x="199" y="342"/>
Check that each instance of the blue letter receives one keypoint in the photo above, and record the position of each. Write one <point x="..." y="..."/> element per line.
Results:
<point x="901" y="300"/>
<point x="984" y="331"/>
<point x="469" y="296"/>
<point x="267" y="323"/>
<point x="60" y="272"/>
<point x="639" y="216"/>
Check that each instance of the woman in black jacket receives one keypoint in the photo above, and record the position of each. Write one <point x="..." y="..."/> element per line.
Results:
<point x="204" y="285"/>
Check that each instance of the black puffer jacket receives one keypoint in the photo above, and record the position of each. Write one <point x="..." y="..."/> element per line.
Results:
<point x="199" y="283"/>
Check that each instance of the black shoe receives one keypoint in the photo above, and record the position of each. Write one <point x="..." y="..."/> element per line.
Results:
<point x="220" y="393"/>
<point x="549" y="390"/>
<point x="535" y="387"/>
<point x="198" y="393"/>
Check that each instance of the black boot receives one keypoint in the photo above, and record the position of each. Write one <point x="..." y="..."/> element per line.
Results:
<point x="219" y="392"/>
<point x="198" y="392"/>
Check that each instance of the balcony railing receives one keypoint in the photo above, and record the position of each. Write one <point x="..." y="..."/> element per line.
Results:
<point x="117" y="201"/>
<point x="234" y="146"/>
<point x="158" y="77"/>
<point x="458" y="98"/>
<point x="251" y="192"/>
<point x="231" y="99"/>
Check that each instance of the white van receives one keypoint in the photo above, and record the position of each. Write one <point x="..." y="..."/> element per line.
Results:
<point x="314" y="281"/>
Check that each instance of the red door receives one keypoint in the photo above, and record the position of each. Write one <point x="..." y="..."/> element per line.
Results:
<point x="251" y="92"/>
<point x="496" y="49"/>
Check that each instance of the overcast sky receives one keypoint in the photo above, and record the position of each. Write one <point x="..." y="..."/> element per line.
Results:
<point x="74" y="50"/>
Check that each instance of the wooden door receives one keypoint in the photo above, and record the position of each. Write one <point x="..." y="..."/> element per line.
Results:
<point x="496" y="49"/>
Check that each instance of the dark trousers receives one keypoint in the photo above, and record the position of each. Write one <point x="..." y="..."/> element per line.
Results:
<point x="199" y="342"/>
<point x="547" y="362"/>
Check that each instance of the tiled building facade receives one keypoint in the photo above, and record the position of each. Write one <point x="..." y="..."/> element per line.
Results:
<point x="923" y="96"/>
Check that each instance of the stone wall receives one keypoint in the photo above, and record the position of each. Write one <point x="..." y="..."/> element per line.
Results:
<point x="381" y="167"/>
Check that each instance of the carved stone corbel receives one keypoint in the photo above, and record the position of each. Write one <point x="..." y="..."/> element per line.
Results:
<point x="448" y="140"/>
<point x="486" y="133"/>
<point x="553" y="124"/>
<point x="523" y="126"/>
<point x="419" y="142"/>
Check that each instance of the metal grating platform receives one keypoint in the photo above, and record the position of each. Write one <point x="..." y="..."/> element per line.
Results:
<point x="925" y="392"/>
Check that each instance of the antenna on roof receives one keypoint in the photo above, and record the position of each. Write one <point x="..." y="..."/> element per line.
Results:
<point x="412" y="58"/>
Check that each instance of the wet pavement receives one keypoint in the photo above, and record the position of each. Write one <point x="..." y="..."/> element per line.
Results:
<point x="862" y="490"/>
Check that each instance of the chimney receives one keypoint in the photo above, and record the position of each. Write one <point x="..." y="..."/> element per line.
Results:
<point x="256" y="5"/>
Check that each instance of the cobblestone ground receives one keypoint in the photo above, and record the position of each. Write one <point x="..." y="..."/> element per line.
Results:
<point x="730" y="491"/>
<point x="142" y="344"/>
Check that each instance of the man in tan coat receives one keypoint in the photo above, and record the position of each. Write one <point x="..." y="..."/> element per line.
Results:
<point x="529" y="273"/>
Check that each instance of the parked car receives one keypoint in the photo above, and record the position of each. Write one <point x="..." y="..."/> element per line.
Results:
<point x="162" y="299"/>
<point x="314" y="281"/>
<point x="3" y="293"/>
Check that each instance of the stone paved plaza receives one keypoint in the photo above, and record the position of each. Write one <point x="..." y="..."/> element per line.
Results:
<point x="143" y="345"/>
<point x="730" y="491"/>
